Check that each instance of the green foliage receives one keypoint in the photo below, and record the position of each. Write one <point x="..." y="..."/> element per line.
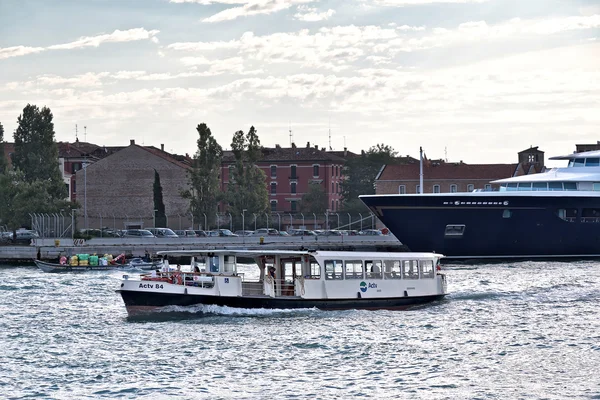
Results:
<point x="19" y="198"/>
<point x="3" y="163"/>
<point x="159" y="205"/>
<point x="204" y="176"/>
<point x="314" y="200"/>
<point x="246" y="189"/>
<point x="36" y="152"/>
<point x="361" y="173"/>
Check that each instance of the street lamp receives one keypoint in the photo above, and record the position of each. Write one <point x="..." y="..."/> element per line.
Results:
<point x="338" y="216"/>
<point x="279" y="216"/>
<point x="327" y="220"/>
<point x="361" y="218"/>
<point x="267" y="216"/>
<point x="204" y="221"/>
<point x="349" y="221"/>
<point x="291" y="221"/>
<point x="244" y="225"/>
<point x="303" y="226"/>
<point x="254" y="220"/>
<point x="315" y="223"/>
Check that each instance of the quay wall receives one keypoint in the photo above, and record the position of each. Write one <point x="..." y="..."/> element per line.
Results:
<point x="50" y="249"/>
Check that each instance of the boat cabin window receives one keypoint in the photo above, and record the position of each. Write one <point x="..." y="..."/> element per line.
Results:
<point x="590" y="215"/>
<point x="555" y="186"/>
<point x="213" y="262"/>
<point x="315" y="270"/>
<point x="334" y="269"/>
<point x="596" y="186"/>
<point x="391" y="269"/>
<point x="540" y="186"/>
<point x="525" y="186"/>
<point x="592" y="162"/>
<point x="570" y="185"/>
<point x="410" y="269"/>
<point x="454" y="230"/>
<point x="579" y="162"/>
<point x="511" y="187"/>
<point x="568" y="214"/>
<point x="426" y="269"/>
<point x="373" y="269"/>
<point x="354" y="269"/>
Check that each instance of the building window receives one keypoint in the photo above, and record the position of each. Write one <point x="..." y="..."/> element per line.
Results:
<point x="402" y="189"/>
<point x="231" y="171"/>
<point x="418" y="189"/>
<point x="470" y="187"/>
<point x="74" y="186"/>
<point x="273" y="205"/>
<point x="436" y="188"/>
<point x="332" y="187"/>
<point x="332" y="206"/>
<point x="315" y="171"/>
<point x="75" y="167"/>
<point x="293" y="172"/>
<point x="273" y="171"/>
<point x="293" y="204"/>
<point x="453" y="188"/>
<point x="293" y="187"/>
<point x="273" y="188"/>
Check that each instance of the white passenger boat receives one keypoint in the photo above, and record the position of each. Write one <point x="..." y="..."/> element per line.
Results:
<point x="290" y="279"/>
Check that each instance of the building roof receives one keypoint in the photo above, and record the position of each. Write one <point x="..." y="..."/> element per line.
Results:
<point x="180" y="162"/>
<point x="444" y="171"/>
<point x="284" y="154"/>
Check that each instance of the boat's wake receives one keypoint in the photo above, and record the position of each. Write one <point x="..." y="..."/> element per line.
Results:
<point x="202" y="310"/>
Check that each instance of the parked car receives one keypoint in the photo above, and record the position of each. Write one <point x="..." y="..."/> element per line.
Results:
<point x="244" y="233"/>
<point x="302" y="232"/>
<point x="138" y="233"/>
<point x="212" y="233"/>
<point x="23" y="236"/>
<point x="266" y="232"/>
<point x="330" y="232"/>
<point x="163" y="232"/>
<point x="370" y="232"/>
<point x="200" y="233"/>
<point x="223" y="232"/>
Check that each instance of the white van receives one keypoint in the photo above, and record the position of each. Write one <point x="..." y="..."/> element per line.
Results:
<point x="163" y="232"/>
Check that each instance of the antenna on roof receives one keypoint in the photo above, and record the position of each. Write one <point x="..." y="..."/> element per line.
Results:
<point x="291" y="137"/>
<point x="76" y="138"/>
<point x="330" y="135"/>
<point x="85" y="133"/>
<point x="446" y="153"/>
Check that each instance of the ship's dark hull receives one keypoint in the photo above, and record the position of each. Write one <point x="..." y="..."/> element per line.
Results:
<point x="139" y="301"/>
<point x="495" y="226"/>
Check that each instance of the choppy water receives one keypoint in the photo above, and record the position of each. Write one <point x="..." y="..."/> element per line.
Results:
<point x="507" y="331"/>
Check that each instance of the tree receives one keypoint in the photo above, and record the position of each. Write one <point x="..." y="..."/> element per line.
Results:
<point x="160" y="218"/>
<point x="247" y="189"/>
<point x="3" y="164"/>
<point x="204" y="176"/>
<point x="361" y="173"/>
<point x="36" y="152"/>
<point x="314" y="200"/>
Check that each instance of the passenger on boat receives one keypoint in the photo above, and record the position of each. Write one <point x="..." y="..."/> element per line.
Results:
<point x="196" y="269"/>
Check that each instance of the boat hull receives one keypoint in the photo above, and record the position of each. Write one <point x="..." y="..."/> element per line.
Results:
<point x="58" y="268"/>
<point x="496" y="225"/>
<point x="140" y="302"/>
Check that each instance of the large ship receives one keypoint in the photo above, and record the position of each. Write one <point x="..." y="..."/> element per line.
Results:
<point x="553" y="214"/>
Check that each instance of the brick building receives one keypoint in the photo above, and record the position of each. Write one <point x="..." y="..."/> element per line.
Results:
<point x="444" y="177"/>
<point x="117" y="190"/>
<point x="290" y="171"/>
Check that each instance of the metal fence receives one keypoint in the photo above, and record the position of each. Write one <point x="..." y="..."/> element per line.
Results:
<point x="249" y="221"/>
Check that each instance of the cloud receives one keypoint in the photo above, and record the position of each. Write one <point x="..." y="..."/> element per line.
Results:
<point x="18" y="51"/>
<point x="308" y="14"/>
<point x="253" y="7"/>
<point x="403" y="3"/>
<point x="117" y="36"/>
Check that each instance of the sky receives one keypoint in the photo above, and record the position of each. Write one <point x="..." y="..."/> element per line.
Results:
<point x="470" y="80"/>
